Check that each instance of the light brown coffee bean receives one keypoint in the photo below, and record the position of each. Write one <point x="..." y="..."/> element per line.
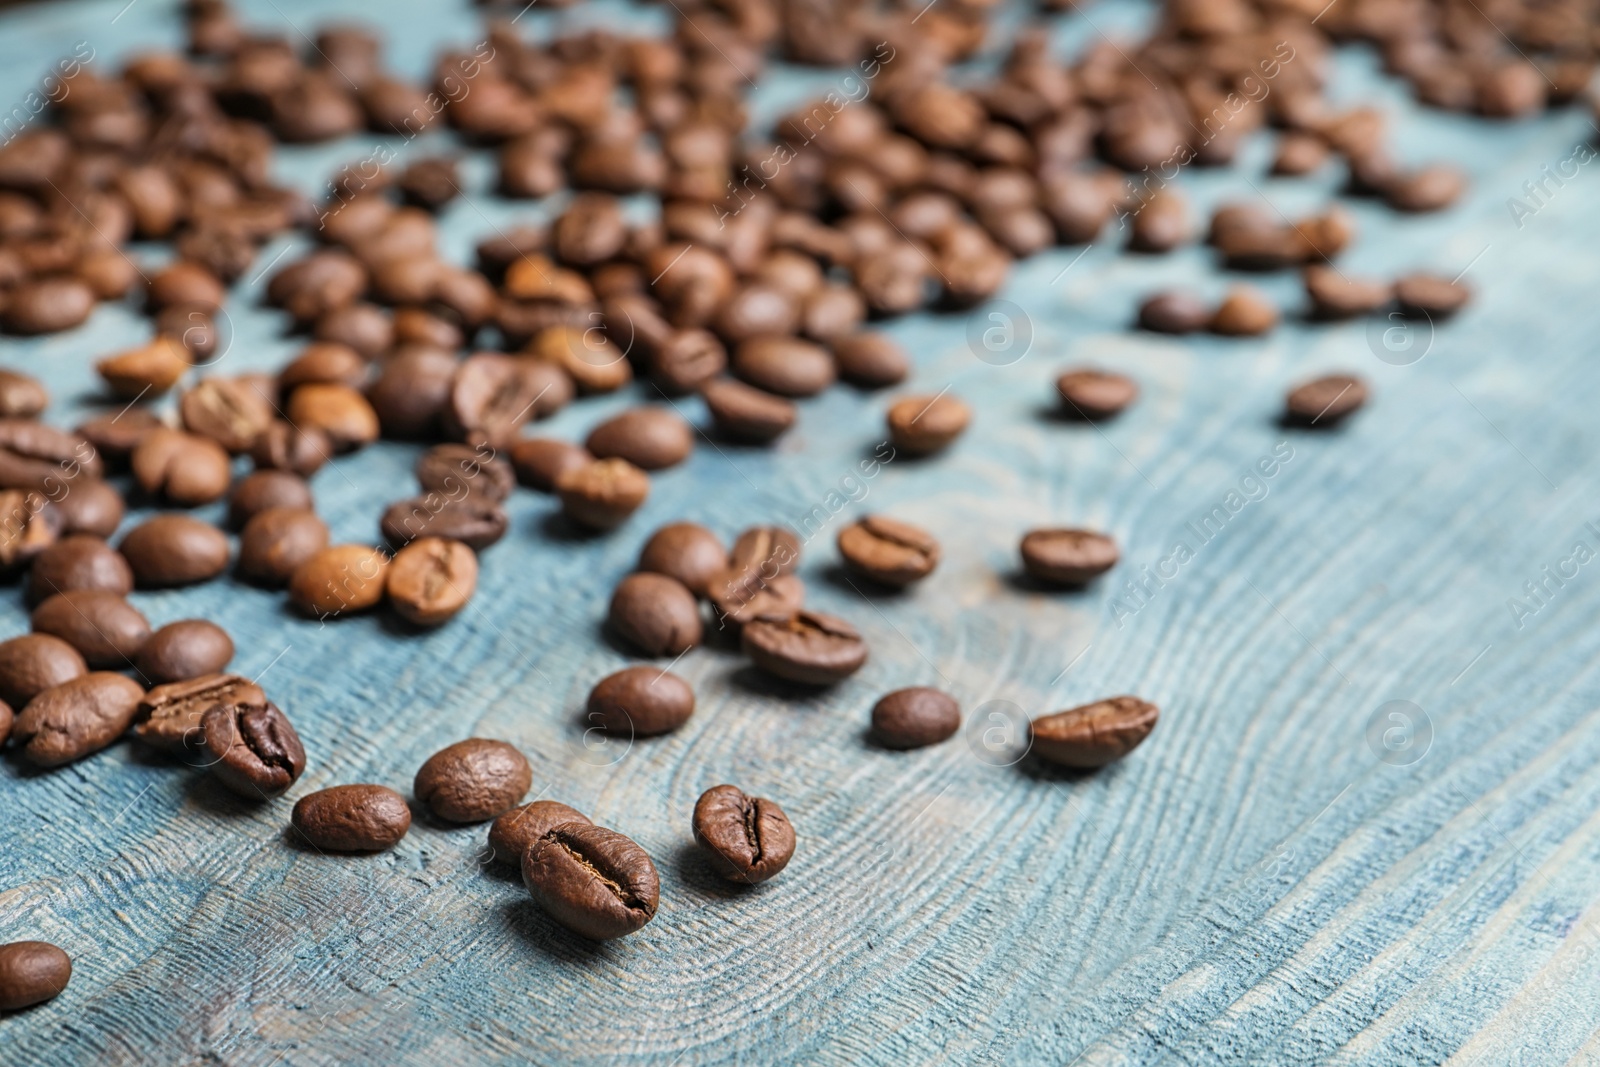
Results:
<point x="339" y="580"/>
<point x="1095" y="734"/>
<point x="338" y="411"/>
<point x="602" y="494"/>
<point x="431" y="580"/>
<point x="184" y="468"/>
<point x="32" y="663"/>
<point x="103" y="627"/>
<point x="171" y="550"/>
<point x="748" y="839"/>
<point x="1244" y="313"/>
<point x="1092" y="394"/>
<point x="640" y="702"/>
<point x="352" y="818"/>
<point x="887" y="551"/>
<point x="21" y="396"/>
<point x="686" y="551"/>
<point x="76" y="718"/>
<point x="1067" y="556"/>
<point x="915" y="718"/>
<point x="870" y="360"/>
<point x="651" y="438"/>
<point x="188" y="648"/>
<point x="1430" y="296"/>
<point x="513" y="833"/>
<point x="171" y="715"/>
<point x="656" y="614"/>
<point x="473" y="780"/>
<point x="923" y="425"/>
<point x="230" y="411"/>
<point x="276" y="541"/>
<point x="1335" y="296"/>
<point x="587" y="356"/>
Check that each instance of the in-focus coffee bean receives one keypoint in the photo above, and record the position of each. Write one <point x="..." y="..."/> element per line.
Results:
<point x="431" y="580"/>
<point x="352" y="818"/>
<point x="106" y="629"/>
<point x="252" y="748"/>
<point x="171" y="716"/>
<point x="513" y="833"/>
<point x="188" y="648"/>
<point x="1095" y="734"/>
<point x="473" y="780"/>
<point x="807" y="647"/>
<point x="31" y="972"/>
<point x="915" y="718"/>
<point x="76" y="718"/>
<point x="640" y="702"/>
<point x="594" y="881"/>
<point x="748" y="839"/>
<point x="32" y="663"/>
<point x="1067" y="556"/>
<point x="172" y="550"/>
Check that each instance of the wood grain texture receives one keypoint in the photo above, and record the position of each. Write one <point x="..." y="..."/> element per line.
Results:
<point x="1253" y="885"/>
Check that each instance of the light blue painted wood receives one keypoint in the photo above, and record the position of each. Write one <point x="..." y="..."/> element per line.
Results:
<point x="1254" y="885"/>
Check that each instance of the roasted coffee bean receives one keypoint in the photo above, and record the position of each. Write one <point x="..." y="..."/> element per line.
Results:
<point x="1093" y="394"/>
<point x="1095" y="734"/>
<point x="1334" y="296"/>
<point x="324" y="361"/>
<point x="46" y="305"/>
<point x="743" y="413"/>
<point x="28" y="526"/>
<point x="21" y="396"/>
<point x="364" y="328"/>
<point x="1160" y="224"/>
<point x="92" y="507"/>
<point x="171" y="716"/>
<point x="807" y="647"/>
<point x="738" y="596"/>
<point x="170" y="550"/>
<point x="287" y="447"/>
<point x="477" y="522"/>
<point x="78" y="562"/>
<point x="183" y="468"/>
<point x="188" y="284"/>
<point x="114" y="436"/>
<point x="1067" y="557"/>
<point x="230" y="411"/>
<point x="411" y="392"/>
<point x="276" y="541"/>
<point x="420" y="328"/>
<point x="1325" y="401"/>
<point x="594" y="881"/>
<point x="1244" y="313"/>
<point x="32" y="663"/>
<point x="149" y="370"/>
<point x="352" y="818"/>
<point x="1430" y="296"/>
<point x="786" y="366"/>
<point x="602" y="494"/>
<point x="185" y="331"/>
<point x="492" y="395"/>
<point x="651" y="438"/>
<point x="76" y="718"/>
<point x="686" y="551"/>
<point x="687" y="359"/>
<point x="541" y="461"/>
<point x="764" y="552"/>
<point x="31" y="972"/>
<point x="458" y="470"/>
<point x="870" y="360"/>
<point x="757" y="311"/>
<point x="923" y="425"/>
<point x="915" y="718"/>
<point x="1428" y="189"/>
<point x="338" y="411"/>
<point x="748" y="839"/>
<point x="832" y="313"/>
<point x="587" y="356"/>
<point x="656" y="614"/>
<point x="255" y="493"/>
<point x="431" y="579"/>
<point x="7" y="717"/>
<point x="36" y="456"/>
<point x="640" y="702"/>
<point x="253" y="748"/>
<point x="106" y="629"/>
<point x="887" y="551"/>
<point x="188" y="648"/>
<point x="513" y="833"/>
<point x="339" y="580"/>
<point x="430" y="183"/>
<point x="473" y="780"/>
<point x="1299" y="154"/>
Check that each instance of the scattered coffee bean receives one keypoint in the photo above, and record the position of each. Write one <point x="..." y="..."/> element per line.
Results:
<point x="742" y="413"/>
<point x="36" y="456"/>
<point x="1325" y="401"/>
<point x="473" y="780"/>
<point x="1174" y="312"/>
<point x="46" y="305"/>
<point x="650" y="438"/>
<point x="541" y="461"/>
<point x="807" y="647"/>
<point x="411" y="392"/>
<point x="785" y="366"/>
<point x="255" y="493"/>
<point x="1244" y="313"/>
<point x="276" y="541"/>
<point x="78" y="562"/>
<point x="749" y="839"/>
<point x="32" y="663"/>
<point x="687" y="359"/>
<point x="149" y="370"/>
<point x="915" y="718"/>
<point x="656" y="614"/>
<point x="513" y="833"/>
<point x="352" y="818"/>
<point x="171" y="716"/>
<point x="28" y="526"/>
<point x="640" y="702"/>
<point x="184" y="468"/>
<point x="106" y="629"/>
<point x="1428" y="189"/>
<point x="870" y="360"/>
<point x="923" y="425"/>
<point x="253" y="748"/>
<point x="1160" y="224"/>
<point x="92" y="507"/>
<point x="184" y="649"/>
<point x="76" y="718"/>
<point x="764" y="552"/>
<point x="602" y="494"/>
<point x="21" y="396"/>
<point x="1334" y="296"/>
<point x="339" y="580"/>
<point x="431" y="579"/>
<point x="686" y="551"/>
<point x="1066" y="556"/>
<point x="230" y="411"/>
<point x="458" y="470"/>
<point x="1430" y="296"/>
<point x="1092" y="394"/>
<point x="286" y="447"/>
<point x="363" y="328"/>
<point x="592" y="880"/>
<point x="338" y="411"/>
<point x="1095" y="734"/>
<point x="115" y="435"/>
<point x="475" y="521"/>
<point x="888" y="551"/>
<point x="740" y="596"/>
<point x="1299" y="154"/>
<point x="31" y="972"/>
<point x="171" y="550"/>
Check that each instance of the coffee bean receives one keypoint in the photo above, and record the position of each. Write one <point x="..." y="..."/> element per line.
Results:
<point x="742" y="413"/>
<point x="686" y="551"/>
<point x="1093" y="394"/>
<point x="807" y="647"/>
<point x="1335" y="296"/>
<point x="78" y="562"/>
<point x="1428" y="189"/>
<point x="587" y="356"/>
<point x="327" y="362"/>
<point x="7" y="717"/>
<point x="339" y="580"/>
<point x="21" y="396"/>
<point x="47" y="305"/>
<point x="870" y="360"/>
<point x="764" y="552"/>
<point x="748" y="839"/>
<point x="740" y="596"/>
<point x="287" y="447"/>
<point x="1325" y="401"/>
<point x="430" y="183"/>
<point x="656" y="614"/>
<point x="114" y="436"/>
<point x="31" y="972"/>
<point x="28" y="526"/>
<point x="1430" y="296"/>
<point x="171" y="715"/>
<point x="1095" y="734"/>
<point x="1243" y="313"/>
<point x="188" y="648"/>
<point x="456" y="470"/>
<point x="473" y="780"/>
<point x="171" y="550"/>
<point x="92" y="507"/>
<point x="36" y="456"/>
<point x="513" y="833"/>
<point x="887" y="551"/>
<point x="229" y="411"/>
<point x="650" y="438"/>
<point x="338" y="411"/>
<point x="602" y="494"/>
<point x="431" y="579"/>
<point x="475" y="521"/>
<point x="184" y="468"/>
<point x="1299" y="154"/>
<point x="149" y="370"/>
<point x="411" y="392"/>
<point x="923" y="425"/>
<point x="1160" y="224"/>
<point x="492" y="395"/>
<point x="1066" y="556"/>
<point x="541" y="461"/>
<point x="640" y="702"/>
<point x="594" y="881"/>
<point x="687" y="359"/>
<point x="255" y="493"/>
<point x="786" y="366"/>
<point x="186" y="283"/>
<point x="106" y="629"/>
<point x="915" y="718"/>
<point x="352" y="818"/>
<point x="32" y="663"/>
<point x="756" y="311"/>
<point x="76" y="718"/>
<point x="363" y="328"/>
<point x="276" y="541"/>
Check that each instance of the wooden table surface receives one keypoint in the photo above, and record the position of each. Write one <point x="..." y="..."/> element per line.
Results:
<point x="1294" y="869"/>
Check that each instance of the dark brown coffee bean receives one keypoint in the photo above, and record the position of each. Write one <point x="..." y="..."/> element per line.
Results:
<point x="188" y="648"/>
<point x="114" y="436"/>
<point x="1160" y="224"/>
<point x="36" y="456"/>
<point x="541" y="461"/>
<point x="184" y="468"/>
<point x="1095" y="734"/>
<point x="430" y="183"/>
<point x="92" y="507"/>
<point x="757" y="311"/>
<point x="640" y="702"/>
<point x="47" y="305"/>
<point x="1325" y="401"/>
<point x="1067" y="557"/>
<point x="1090" y="393"/>
<point x="739" y="596"/>
<point x="492" y="395"/>
<point x="363" y="328"/>
<point x="188" y="284"/>
<point x="78" y="562"/>
<point x="513" y="833"/>
<point x="324" y="361"/>
<point x="255" y="493"/>
<point x="807" y="647"/>
<point x="870" y="360"/>
<point x="276" y="541"/>
<point x="602" y="494"/>
<point x="338" y="411"/>
<point x="786" y="366"/>
<point x="352" y="818"/>
<point x="914" y="718"/>
<point x="171" y="550"/>
<point x="103" y="627"/>
<point x="287" y="447"/>
<point x="253" y="748"/>
<point x="31" y="972"/>
<point x="1430" y="296"/>
<point x="1334" y="296"/>
<point x="76" y="718"/>
<point x="32" y="663"/>
<point x="477" y="522"/>
<point x="1244" y="313"/>
<point x="431" y="580"/>
<point x="21" y="397"/>
<point x="887" y="551"/>
<point x="473" y="780"/>
<point x="411" y="392"/>
<point x="456" y="470"/>
<point x="171" y="715"/>
<point x="229" y="411"/>
<point x="686" y="551"/>
<point x="651" y="438"/>
<point x="594" y="881"/>
<point x="743" y="413"/>
<point x="687" y="359"/>
<point x="339" y="580"/>
<point x="656" y="614"/>
<point x="923" y="425"/>
<point x="748" y="839"/>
